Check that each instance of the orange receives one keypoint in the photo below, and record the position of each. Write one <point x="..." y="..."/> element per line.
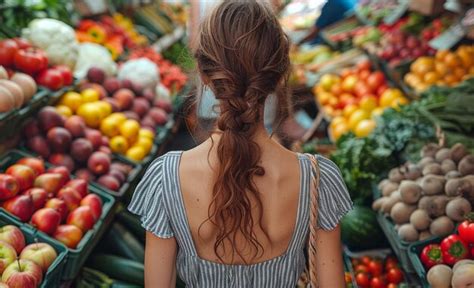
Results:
<point x="421" y="87"/>
<point x="323" y="97"/>
<point x="329" y="110"/>
<point x="442" y="69"/>
<point x="118" y="144"/>
<point x="146" y="133"/>
<point x="339" y="130"/>
<point x="135" y="153"/>
<point x="90" y="95"/>
<point x="91" y="114"/>
<point x="145" y="143"/>
<point x="333" y="101"/>
<point x="336" y="120"/>
<point x="349" y="109"/>
<point x="459" y="73"/>
<point x="356" y="117"/>
<point x="441" y="54"/>
<point x="364" y="128"/>
<point x="466" y="58"/>
<point x="471" y="71"/>
<point x="105" y="108"/>
<point x="349" y="83"/>
<point x="450" y="80"/>
<point x="129" y="129"/>
<point x="336" y="89"/>
<point x="440" y="83"/>
<point x="452" y="60"/>
<point x="72" y="100"/>
<point x="368" y="103"/>
<point x="119" y="117"/>
<point x="412" y="79"/>
<point x="64" y="110"/>
<point x="110" y="127"/>
<point x="389" y="96"/>
<point x="430" y="78"/>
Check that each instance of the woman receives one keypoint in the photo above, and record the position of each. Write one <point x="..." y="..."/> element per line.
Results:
<point x="233" y="212"/>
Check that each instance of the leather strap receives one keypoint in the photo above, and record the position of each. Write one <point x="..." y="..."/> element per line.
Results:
<point x="313" y="222"/>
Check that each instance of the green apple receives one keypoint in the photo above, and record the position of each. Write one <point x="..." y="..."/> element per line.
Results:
<point x="7" y="255"/>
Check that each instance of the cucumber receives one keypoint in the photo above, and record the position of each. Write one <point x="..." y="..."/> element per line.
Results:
<point x="132" y="223"/>
<point x="123" y="243"/>
<point x="119" y="268"/>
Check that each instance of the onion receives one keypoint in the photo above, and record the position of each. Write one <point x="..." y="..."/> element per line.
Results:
<point x="15" y="90"/>
<point x="26" y="83"/>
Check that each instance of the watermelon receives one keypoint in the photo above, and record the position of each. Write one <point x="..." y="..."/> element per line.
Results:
<point x="360" y="229"/>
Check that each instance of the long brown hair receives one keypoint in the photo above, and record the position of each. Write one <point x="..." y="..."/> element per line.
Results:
<point x="242" y="55"/>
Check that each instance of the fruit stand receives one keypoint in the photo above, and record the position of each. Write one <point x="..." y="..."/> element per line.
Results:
<point x="87" y="103"/>
<point x="402" y="135"/>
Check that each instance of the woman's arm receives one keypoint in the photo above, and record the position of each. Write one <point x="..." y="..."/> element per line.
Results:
<point x="160" y="262"/>
<point x="329" y="258"/>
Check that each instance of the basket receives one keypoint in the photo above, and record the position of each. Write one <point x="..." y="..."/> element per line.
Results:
<point x="53" y="275"/>
<point x="76" y="257"/>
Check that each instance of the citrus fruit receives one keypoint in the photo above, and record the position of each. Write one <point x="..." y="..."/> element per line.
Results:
<point x="349" y="83"/>
<point x="105" y="108"/>
<point x="339" y="130"/>
<point x="336" y="89"/>
<point x="136" y="153"/>
<point x="91" y="114"/>
<point x="412" y="79"/>
<point x="440" y="54"/>
<point x="129" y="129"/>
<point x="364" y="128"/>
<point x="118" y="144"/>
<point x="459" y="73"/>
<point x="398" y="102"/>
<point x="452" y="60"/>
<point x="430" y="78"/>
<point x="64" y="110"/>
<point x="72" y="100"/>
<point x="119" y="117"/>
<point x="336" y="120"/>
<point x="377" y="111"/>
<point x="389" y="96"/>
<point x="110" y="127"/>
<point x="145" y="142"/>
<point x="324" y="97"/>
<point x="327" y="80"/>
<point x="349" y="109"/>
<point x="146" y="133"/>
<point x="356" y="117"/>
<point x="89" y="95"/>
<point x="368" y="103"/>
<point x="442" y="69"/>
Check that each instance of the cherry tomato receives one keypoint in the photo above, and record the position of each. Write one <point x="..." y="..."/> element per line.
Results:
<point x="391" y="285"/>
<point x="390" y="262"/>
<point x="8" y="49"/>
<point x="375" y="80"/>
<point x="361" y="268"/>
<point x="348" y="278"/>
<point x="361" y="89"/>
<point x="50" y="78"/>
<point x="375" y="268"/>
<point x="362" y="280"/>
<point x="30" y="60"/>
<point x="66" y="74"/>
<point x="364" y="74"/>
<point x="377" y="282"/>
<point x="394" y="276"/>
<point x="366" y="260"/>
<point x="364" y="65"/>
<point x="355" y="262"/>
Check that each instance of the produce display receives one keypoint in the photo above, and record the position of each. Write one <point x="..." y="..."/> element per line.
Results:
<point x="49" y="200"/>
<point x="375" y="272"/>
<point x="23" y="264"/>
<point x="375" y="10"/>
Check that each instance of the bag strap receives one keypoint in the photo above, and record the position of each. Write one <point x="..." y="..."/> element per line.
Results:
<point x="313" y="221"/>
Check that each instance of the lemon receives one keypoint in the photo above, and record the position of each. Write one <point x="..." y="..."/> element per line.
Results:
<point x="338" y="130"/>
<point x="368" y="103"/>
<point x="110" y="127"/>
<point x="349" y="109"/>
<point x="356" y="117"/>
<point x="91" y="114"/>
<point x="145" y="133"/>
<point x="72" y="100"/>
<point x="136" y="153"/>
<point x="377" y="111"/>
<point x="64" y="110"/>
<point x="118" y="144"/>
<point x="129" y="129"/>
<point x="389" y="95"/>
<point x="90" y="95"/>
<point x="145" y="143"/>
<point x="105" y="108"/>
<point x="119" y="117"/>
<point x="364" y="128"/>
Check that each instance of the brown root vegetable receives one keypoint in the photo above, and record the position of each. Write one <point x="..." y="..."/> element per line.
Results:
<point x="7" y="101"/>
<point x="395" y="175"/>
<point x="432" y="169"/>
<point x="439" y="276"/>
<point x="389" y="188"/>
<point x="425" y="161"/>
<point x="377" y="205"/>
<point x="396" y="195"/>
<point x="410" y="191"/>
<point x="463" y="277"/>
<point x="382" y="184"/>
<point x="441" y="226"/>
<point x="447" y="166"/>
<point x="458" y="151"/>
<point x="442" y="154"/>
<point x="462" y="262"/>
<point x="429" y="150"/>
<point x="437" y="206"/>
<point x="466" y="165"/>
<point x="452" y="175"/>
<point x="424" y="202"/>
<point x="420" y="219"/>
<point x="458" y="208"/>
<point x="412" y="172"/>
<point x="401" y="212"/>
<point x="408" y="233"/>
<point x="388" y="204"/>
<point x="433" y="184"/>
<point x="469" y="195"/>
<point x="458" y="187"/>
<point x="424" y="235"/>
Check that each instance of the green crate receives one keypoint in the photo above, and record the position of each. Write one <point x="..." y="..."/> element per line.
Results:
<point x="54" y="96"/>
<point x="76" y="257"/>
<point x="53" y="275"/>
<point x="413" y="251"/>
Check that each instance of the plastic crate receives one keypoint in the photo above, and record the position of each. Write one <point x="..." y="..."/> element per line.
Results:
<point x="76" y="257"/>
<point x="413" y="251"/>
<point x="54" y="96"/>
<point x="52" y="277"/>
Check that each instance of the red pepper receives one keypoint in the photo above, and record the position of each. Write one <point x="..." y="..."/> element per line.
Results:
<point x="453" y="249"/>
<point x="431" y="255"/>
<point x="466" y="229"/>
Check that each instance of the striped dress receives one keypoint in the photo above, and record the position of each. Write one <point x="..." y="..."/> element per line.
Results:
<point x="159" y="203"/>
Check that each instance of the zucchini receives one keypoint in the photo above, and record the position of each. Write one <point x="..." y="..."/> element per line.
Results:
<point x="123" y="243"/>
<point x="132" y="223"/>
<point x="118" y="268"/>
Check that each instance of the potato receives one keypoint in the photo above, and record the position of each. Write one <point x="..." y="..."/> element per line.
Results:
<point x="388" y="204"/>
<point x="389" y="188"/>
<point x="425" y="161"/>
<point x="395" y="175"/>
<point x="452" y="174"/>
<point x="424" y="235"/>
<point x="439" y="276"/>
<point x="462" y="262"/>
<point x="377" y="204"/>
<point x="429" y="150"/>
<point x="458" y="186"/>
<point x="447" y="166"/>
<point x="437" y="206"/>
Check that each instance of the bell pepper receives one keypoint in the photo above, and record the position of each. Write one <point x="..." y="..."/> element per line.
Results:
<point x="98" y="33"/>
<point x="454" y="249"/>
<point x="431" y="256"/>
<point x="466" y="229"/>
<point x="84" y="25"/>
<point x="83" y="37"/>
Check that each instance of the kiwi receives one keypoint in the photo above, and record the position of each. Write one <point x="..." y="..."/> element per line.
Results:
<point x="401" y="212"/>
<point x="410" y="191"/>
<point x="389" y="188"/>
<point x="432" y="169"/>
<point x="458" y="208"/>
<point x="408" y="233"/>
<point x="424" y="235"/>
<point x="458" y="151"/>
<point x="433" y="184"/>
<point x="424" y="202"/>
<point x="452" y="174"/>
<point x="458" y="186"/>
<point x="437" y="206"/>
<point x="420" y="219"/>
<point x="429" y="150"/>
<point x="425" y="161"/>
<point x="442" y="154"/>
<point x="466" y="165"/>
<point x="441" y="226"/>
<point x="395" y="175"/>
<point x="377" y="204"/>
<point x="447" y="166"/>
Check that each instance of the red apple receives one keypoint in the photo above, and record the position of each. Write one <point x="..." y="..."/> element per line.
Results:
<point x="164" y="104"/>
<point x="38" y="196"/>
<point x="80" y="185"/>
<point x="20" y="206"/>
<point x="58" y="205"/>
<point x="109" y="182"/>
<point x="124" y="98"/>
<point x="105" y="149"/>
<point x="48" y="118"/>
<point x="118" y="175"/>
<point x="111" y="85"/>
<point x="34" y="163"/>
<point x="96" y="75"/>
<point x="8" y="186"/>
<point x="95" y="203"/>
<point x="82" y="217"/>
<point x="63" y="171"/>
<point x="158" y="115"/>
<point x="71" y="197"/>
<point x="95" y="137"/>
<point x="13" y="236"/>
<point x="85" y="174"/>
<point x="42" y="254"/>
<point x="24" y="175"/>
<point x="76" y="126"/>
<point x="99" y="163"/>
<point x="69" y="235"/>
<point x="113" y="103"/>
<point x="31" y="129"/>
<point x="7" y="255"/>
<point x="23" y="273"/>
<point x="46" y="220"/>
<point x="61" y="159"/>
<point x="59" y="139"/>
<point x="140" y="106"/>
<point x="81" y="150"/>
<point x="39" y="145"/>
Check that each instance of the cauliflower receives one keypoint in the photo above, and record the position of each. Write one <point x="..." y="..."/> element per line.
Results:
<point x="140" y="71"/>
<point x="56" y="38"/>
<point x="94" y="55"/>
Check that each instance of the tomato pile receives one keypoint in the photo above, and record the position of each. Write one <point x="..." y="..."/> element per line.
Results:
<point x="373" y="272"/>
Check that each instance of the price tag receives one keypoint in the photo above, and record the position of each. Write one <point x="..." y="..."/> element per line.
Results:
<point x="397" y="12"/>
<point x="449" y="38"/>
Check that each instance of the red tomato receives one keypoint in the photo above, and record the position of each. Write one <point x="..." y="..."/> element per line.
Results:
<point x="50" y="78"/>
<point x="362" y="280"/>
<point x="361" y="89"/>
<point x="22" y="43"/>
<point x="30" y="60"/>
<point x="377" y="282"/>
<point x="391" y="285"/>
<point x="364" y="65"/>
<point x="361" y="268"/>
<point x="66" y="74"/>
<point x="355" y="262"/>
<point x="346" y="72"/>
<point x="364" y="74"/>
<point x="366" y="260"/>
<point x="394" y="276"/>
<point x="375" y="80"/>
<point x="8" y="49"/>
<point x="375" y="268"/>
<point x="466" y="231"/>
<point x="381" y="89"/>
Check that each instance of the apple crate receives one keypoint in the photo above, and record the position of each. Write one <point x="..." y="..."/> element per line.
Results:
<point x="52" y="277"/>
<point x="76" y="257"/>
